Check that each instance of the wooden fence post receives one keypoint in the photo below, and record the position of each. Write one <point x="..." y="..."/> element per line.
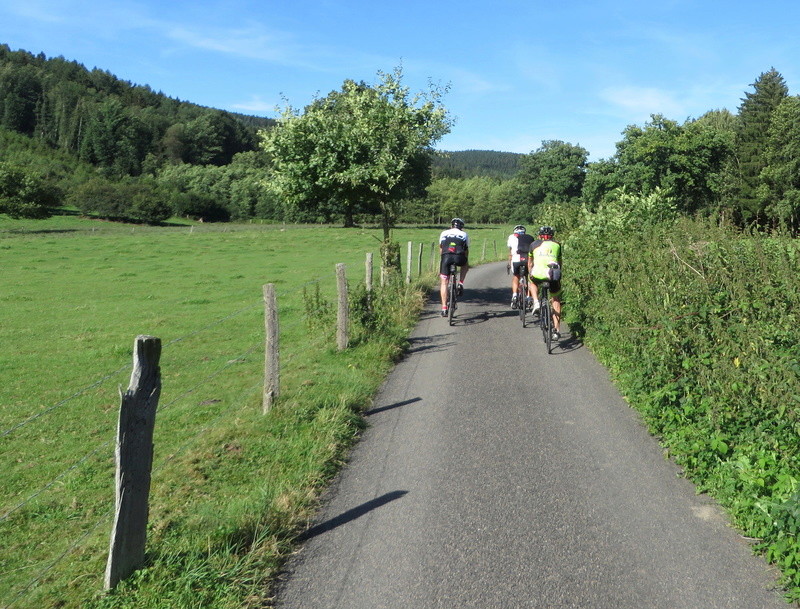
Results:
<point x="483" y="253"/>
<point x="368" y="278"/>
<point x="134" y="457"/>
<point x="419" y="260"/>
<point x="342" y="320"/>
<point x="272" y="370"/>
<point x="408" y="262"/>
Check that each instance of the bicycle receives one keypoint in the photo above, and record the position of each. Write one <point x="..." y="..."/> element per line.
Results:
<point x="546" y="315"/>
<point x="523" y="295"/>
<point x="452" y="291"/>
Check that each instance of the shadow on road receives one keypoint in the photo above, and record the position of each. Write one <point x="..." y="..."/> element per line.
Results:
<point x="391" y="406"/>
<point x="351" y="515"/>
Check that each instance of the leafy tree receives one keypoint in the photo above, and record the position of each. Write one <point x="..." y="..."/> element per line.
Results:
<point x="25" y="195"/>
<point x="361" y="149"/>
<point x="682" y="160"/>
<point x="755" y="118"/>
<point x="554" y="173"/>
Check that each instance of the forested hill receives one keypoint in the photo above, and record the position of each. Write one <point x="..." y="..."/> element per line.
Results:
<point x="112" y="123"/>
<point x="471" y="163"/>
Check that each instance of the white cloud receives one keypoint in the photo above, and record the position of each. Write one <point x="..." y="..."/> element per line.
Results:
<point x="637" y="103"/>
<point x="256" y="105"/>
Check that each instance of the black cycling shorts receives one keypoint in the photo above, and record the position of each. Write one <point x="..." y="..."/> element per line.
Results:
<point x="555" y="286"/>
<point x="448" y="259"/>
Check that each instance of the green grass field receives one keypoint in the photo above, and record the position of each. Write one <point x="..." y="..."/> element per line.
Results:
<point x="230" y="485"/>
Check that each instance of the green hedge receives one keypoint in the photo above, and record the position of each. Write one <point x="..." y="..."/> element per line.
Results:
<point x="698" y="324"/>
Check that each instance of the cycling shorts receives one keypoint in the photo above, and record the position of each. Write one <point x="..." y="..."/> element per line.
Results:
<point x="448" y="259"/>
<point x="518" y="266"/>
<point x="555" y="286"/>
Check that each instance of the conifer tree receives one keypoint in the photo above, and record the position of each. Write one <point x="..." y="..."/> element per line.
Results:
<point x="755" y="117"/>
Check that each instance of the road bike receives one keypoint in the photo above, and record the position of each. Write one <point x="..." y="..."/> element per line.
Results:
<point x="523" y="297"/>
<point x="546" y="315"/>
<point x="452" y="291"/>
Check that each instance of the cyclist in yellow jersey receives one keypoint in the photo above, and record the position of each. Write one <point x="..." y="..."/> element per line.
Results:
<point x="545" y="264"/>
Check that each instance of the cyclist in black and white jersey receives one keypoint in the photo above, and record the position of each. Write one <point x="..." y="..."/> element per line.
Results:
<point x="454" y="247"/>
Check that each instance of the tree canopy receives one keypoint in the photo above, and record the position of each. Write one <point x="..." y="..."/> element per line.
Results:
<point x="360" y="149"/>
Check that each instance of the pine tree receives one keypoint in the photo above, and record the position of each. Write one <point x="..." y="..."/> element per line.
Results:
<point x="755" y="114"/>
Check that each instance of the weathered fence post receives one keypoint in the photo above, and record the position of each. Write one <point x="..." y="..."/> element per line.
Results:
<point x="368" y="278"/>
<point x="134" y="457"/>
<point x="342" y="320"/>
<point x="483" y="253"/>
<point x="408" y="262"/>
<point x="495" y="249"/>
<point x="272" y="372"/>
<point x="419" y="260"/>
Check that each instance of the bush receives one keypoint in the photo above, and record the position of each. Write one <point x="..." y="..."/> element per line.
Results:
<point x="697" y="324"/>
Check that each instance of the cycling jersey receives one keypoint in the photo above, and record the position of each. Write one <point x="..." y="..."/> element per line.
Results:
<point x="543" y="252"/>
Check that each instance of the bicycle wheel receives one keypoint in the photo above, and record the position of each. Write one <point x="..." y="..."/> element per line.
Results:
<point x="523" y="300"/>
<point x="546" y="318"/>
<point x="451" y="297"/>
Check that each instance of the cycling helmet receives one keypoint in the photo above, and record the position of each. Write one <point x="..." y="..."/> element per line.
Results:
<point x="519" y="229"/>
<point x="457" y="223"/>
<point x="547" y="230"/>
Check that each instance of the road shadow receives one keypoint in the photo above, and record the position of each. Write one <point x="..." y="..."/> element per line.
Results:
<point x="391" y="406"/>
<point x="351" y="515"/>
<point x="418" y="344"/>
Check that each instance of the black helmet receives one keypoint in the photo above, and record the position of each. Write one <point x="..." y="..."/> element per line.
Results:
<point x="547" y="230"/>
<point x="519" y="229"/>
<point x="457" y="223"/>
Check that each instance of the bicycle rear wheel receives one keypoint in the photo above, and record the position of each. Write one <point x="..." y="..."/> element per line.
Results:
<point x="523" y="300"/>
<point x="451" y="297"/>
<point x="546" y="319"/>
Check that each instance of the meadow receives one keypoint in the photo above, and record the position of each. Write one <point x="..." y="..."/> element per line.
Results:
<point x="232" y="487"/>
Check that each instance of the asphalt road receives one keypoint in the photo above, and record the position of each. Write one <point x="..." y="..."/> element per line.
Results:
<point x="495" y="476"/>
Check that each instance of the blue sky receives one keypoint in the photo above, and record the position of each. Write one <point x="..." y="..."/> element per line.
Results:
<point x="519" y="72"/>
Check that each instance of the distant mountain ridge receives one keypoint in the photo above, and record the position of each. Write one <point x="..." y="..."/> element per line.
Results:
<point x="472" y="163"/>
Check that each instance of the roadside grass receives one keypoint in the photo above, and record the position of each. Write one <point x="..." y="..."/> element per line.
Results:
<point x="231" y="487"/>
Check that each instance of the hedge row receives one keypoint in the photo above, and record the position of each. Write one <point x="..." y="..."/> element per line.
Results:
<point x="699" y="326"/>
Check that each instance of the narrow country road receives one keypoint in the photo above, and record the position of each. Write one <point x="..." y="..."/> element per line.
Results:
<point x="495" y="476"/>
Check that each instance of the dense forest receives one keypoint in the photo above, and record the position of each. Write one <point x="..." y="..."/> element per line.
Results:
<point x="112" y="149"/>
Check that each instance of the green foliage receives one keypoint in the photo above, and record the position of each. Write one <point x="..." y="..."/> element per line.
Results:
<point x="755" y="119"/>
<point x="361" y="149"/>
<point x="554" y="173"/>
<point x="466" y="164"/>
<point x="24" y="194"/>
<point x="697" y="323"/>
<point x="779" y="189"/>
<point x="128" y="200"/>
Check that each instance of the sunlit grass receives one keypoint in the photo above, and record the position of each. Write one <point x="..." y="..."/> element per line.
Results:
<point x="230" y="485"/>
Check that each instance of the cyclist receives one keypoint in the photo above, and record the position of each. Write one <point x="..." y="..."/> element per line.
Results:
<point x="519" y="245"/>
<point x="454" y="247"/>
<point x="545" y="263"/>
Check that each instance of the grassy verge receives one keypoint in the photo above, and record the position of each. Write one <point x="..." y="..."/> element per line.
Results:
<point x="698" y="325"/>
<point x="231" y="487"/>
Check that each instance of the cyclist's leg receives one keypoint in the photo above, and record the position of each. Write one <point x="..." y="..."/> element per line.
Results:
<point x="555" y="298"/>
<point x="443" y="271"/>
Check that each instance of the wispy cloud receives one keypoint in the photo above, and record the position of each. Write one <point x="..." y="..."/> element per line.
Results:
<point x="641" y="102"/>
<point x="256" y="104"/>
